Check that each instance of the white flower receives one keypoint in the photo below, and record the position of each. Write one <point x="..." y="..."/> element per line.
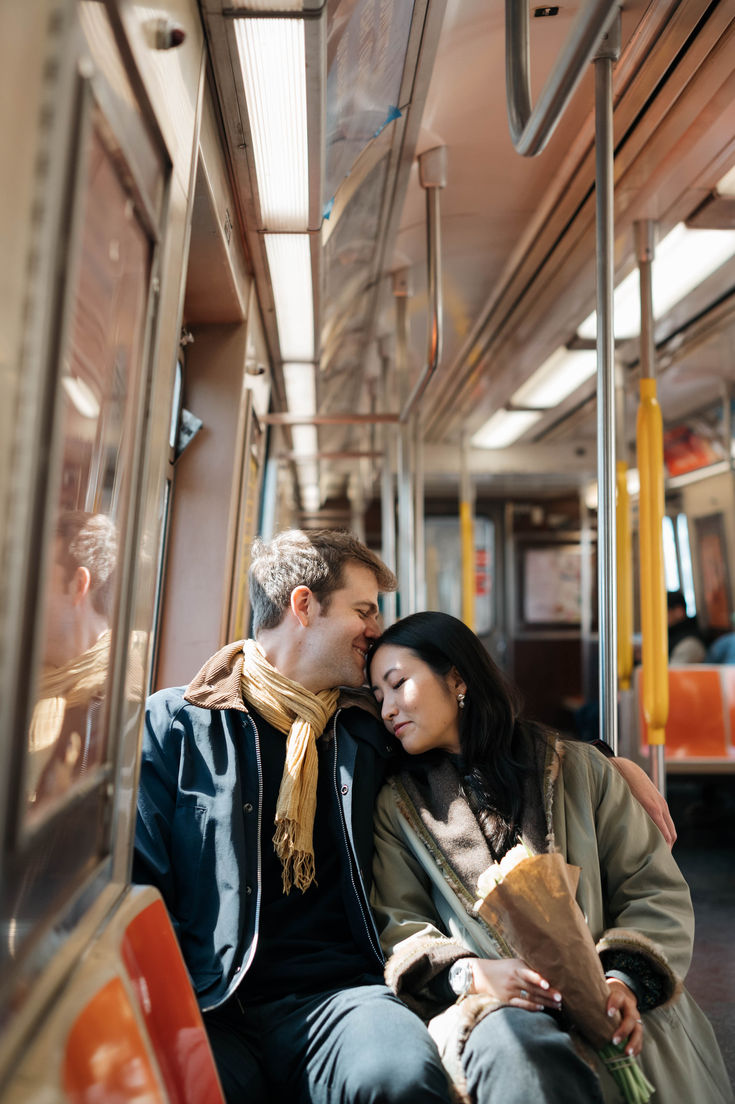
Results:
<point x="495" y="874"/>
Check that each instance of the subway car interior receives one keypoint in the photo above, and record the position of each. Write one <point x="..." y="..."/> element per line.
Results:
<point x="455" y="275"/>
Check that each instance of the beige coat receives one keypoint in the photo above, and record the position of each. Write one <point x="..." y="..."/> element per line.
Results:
<point x="631" y="891"/>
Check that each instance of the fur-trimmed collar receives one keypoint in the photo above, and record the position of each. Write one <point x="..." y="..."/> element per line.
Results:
<point x="431" y="798"/>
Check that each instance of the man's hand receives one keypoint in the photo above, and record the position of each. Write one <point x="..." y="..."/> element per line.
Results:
<point x="647" y="795"/>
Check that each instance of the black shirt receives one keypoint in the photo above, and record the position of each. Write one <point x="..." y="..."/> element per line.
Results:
<point x="304" y="944"/>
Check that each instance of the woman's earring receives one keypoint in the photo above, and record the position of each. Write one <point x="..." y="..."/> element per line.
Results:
<point x="460" y="701"/>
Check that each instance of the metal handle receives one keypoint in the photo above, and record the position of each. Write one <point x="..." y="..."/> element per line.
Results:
<point x="531" y="128"/>
<point x="433" y="176"/>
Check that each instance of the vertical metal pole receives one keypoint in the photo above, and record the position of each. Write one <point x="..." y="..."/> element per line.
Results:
<point x="357" y="509"/>
<point x="387" y="493"/>
<point x="418" y="514"/>
<point x="607" y="595"/>
<point x="585" y="544"/>
<point x="727" y="426"/>
<point x="406" y="522"/>
<point x="653" y="648"/>
<point x="406" y="501"/>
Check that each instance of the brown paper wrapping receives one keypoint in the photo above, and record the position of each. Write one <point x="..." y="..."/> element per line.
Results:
<point x="534" y="910"/>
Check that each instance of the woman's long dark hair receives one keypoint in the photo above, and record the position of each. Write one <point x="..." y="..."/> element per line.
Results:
<point x="497" y="745"/>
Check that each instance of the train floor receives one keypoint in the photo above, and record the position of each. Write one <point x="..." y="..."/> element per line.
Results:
<point x="704" y="813"/>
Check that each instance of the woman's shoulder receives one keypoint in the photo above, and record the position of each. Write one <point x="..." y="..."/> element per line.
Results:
<point x="580" y="760"/>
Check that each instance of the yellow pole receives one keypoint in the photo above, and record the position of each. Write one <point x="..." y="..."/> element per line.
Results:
<point x="625" y="578"/>
<point x="467" y="537"/>
<point x="654" y="622"/>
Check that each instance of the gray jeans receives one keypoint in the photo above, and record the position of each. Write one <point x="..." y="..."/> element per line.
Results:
<point x="358" y="1045"/>
<point x="518" y="1057"/>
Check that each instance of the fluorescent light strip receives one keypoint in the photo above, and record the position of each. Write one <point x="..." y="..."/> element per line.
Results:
<point x="300" y="388"/>
<point x="289" y="260"/>
<point x="300" y="384"/>
<point x="273" y="66"/>
<point x="305" y="441"/>
<point x="268" y="5"/>
<point x="505" y="427"/>
<point x="726" y="186"/>
<point x="561" y="374"/>
<point x="684" y="259"/>
<point x="311" y="497"/>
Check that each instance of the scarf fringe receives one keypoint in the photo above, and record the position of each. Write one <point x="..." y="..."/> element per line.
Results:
<point x="297" y="866"/>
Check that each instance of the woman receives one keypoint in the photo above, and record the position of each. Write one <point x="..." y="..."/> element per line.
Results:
<point x="482" y="779"/>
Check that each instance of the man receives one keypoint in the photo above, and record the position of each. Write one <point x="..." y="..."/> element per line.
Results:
<point x="255" y="822"/>
<point x="66" y="735"/>
<point x="685" y="640"/>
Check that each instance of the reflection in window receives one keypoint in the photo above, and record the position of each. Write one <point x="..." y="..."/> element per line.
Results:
<point x="65" y="738"/>
<point x="671" y="565"/>
<point x="685" y="557"/>
<point x="100" y="382"/>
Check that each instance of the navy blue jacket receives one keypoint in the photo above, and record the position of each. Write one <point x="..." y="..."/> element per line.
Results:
<point x="199" y="820"/>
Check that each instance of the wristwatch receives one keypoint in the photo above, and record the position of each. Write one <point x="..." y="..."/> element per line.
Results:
<point x="460" y="977"/>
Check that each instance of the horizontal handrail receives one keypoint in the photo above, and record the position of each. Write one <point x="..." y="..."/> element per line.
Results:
<point x="531" y="128"/>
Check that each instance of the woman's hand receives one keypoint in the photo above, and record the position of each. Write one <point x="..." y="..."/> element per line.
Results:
<point x="509" y="980"/>
<point x="630" y="1027"/>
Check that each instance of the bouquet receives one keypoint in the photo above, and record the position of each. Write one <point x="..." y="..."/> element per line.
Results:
<point x="529" y="900"/>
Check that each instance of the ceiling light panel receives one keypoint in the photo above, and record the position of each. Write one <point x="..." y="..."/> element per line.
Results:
<point x="726" y="186"/>
<point x="560" y="375"/>
<point x="289" y="260"/>
<point x="305" y="442"/>
<point x="299" y="381"/>
<point x="505" y="427"/>
<point x="683" y="260"/>
<point x="273" y="65"/>
<point x="267" y="5"/>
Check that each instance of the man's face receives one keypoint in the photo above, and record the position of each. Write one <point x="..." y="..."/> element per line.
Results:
<point x="339" y="636"/>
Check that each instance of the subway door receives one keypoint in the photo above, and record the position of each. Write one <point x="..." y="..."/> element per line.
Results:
<point x="217" y="464"/>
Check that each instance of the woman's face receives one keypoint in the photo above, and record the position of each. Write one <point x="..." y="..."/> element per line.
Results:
<point x="418" y="706"/>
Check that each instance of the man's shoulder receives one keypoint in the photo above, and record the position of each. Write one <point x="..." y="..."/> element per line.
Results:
<point x="167" y="701"/>
<point x="169" y="710"/>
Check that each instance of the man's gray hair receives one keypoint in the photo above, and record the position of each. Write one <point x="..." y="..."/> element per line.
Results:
<point x="313" y="558"/>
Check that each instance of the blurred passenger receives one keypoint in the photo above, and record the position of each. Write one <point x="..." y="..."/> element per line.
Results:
<point x="476" y="780"/>
<point x="66" y="732"/>
<point x="686" y="644"/>
<point x="722" y="650"/>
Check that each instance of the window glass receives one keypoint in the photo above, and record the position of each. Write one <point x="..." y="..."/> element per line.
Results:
<point x="96" y="413"/>
<point x="671" y="565"/>
<point x="685" y="558"/>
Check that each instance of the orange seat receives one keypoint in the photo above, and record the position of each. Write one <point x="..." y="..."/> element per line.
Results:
<point x="106" y="1056"/>
<point x="696" y="727"/>
<point x="153" y="961"/>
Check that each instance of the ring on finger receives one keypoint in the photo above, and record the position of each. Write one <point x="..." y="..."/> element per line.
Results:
<point x="639" y="1022"/>
<point x="524" y="994"/>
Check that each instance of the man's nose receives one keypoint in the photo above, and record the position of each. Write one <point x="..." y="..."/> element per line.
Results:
<point x="372" y="628"/>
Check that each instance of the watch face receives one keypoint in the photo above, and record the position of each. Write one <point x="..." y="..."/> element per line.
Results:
<point x="460" y="978"/>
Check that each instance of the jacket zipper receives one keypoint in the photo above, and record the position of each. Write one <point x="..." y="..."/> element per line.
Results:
<point x="370" y="928"/>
